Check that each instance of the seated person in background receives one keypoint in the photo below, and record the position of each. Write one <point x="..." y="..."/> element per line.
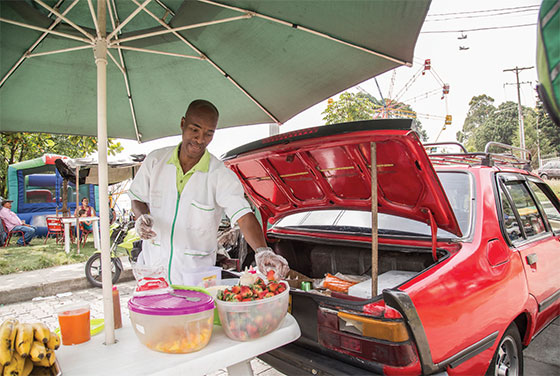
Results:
<point x="87" y="224"/>
<point x="90" y="212"/>
<point x="13" y="223"/>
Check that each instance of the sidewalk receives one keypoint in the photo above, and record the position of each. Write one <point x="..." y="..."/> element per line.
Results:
<point x="25" y="286"/>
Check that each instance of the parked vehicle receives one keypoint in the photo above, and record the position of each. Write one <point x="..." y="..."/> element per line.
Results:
<point x="550" y="170"/>
<point x="122" y="235"/>
<point x="473" y="237"/>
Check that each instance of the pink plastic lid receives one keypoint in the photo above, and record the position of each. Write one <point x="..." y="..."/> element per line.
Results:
<point x="180" y="302"/>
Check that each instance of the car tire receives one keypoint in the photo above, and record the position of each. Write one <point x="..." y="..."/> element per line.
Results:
<point x="544" y="176"/>
<point x="508" y="358"/>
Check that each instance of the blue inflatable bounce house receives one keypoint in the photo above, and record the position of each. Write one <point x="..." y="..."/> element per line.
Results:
<point x="35" y="187"/>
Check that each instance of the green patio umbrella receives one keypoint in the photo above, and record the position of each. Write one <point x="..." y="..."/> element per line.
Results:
<point x="132" y="67"/>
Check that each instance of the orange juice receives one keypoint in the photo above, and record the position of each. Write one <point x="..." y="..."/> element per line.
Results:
<point x="74" y="324"/>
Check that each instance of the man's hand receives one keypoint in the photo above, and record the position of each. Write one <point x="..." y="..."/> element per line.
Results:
<point x="143" y="227"/>
<point x="268" y="260"/>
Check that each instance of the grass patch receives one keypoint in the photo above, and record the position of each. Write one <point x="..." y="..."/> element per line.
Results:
<point x="15" y="259"/>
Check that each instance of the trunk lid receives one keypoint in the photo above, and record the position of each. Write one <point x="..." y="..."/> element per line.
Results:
<point x="329" y="167"/>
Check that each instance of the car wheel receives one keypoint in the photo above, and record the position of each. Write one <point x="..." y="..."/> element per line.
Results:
<point x="544" y="176"/>
<point x="508" y="359"/>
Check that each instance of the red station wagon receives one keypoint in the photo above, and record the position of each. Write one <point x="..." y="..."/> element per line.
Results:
<point x="468" y="255"/>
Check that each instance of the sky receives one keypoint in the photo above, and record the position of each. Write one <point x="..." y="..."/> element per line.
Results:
<point x="469" y="72"/>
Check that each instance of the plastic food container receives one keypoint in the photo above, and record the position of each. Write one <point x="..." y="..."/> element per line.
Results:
<point x="245" y="321"/>
<point x="213" y="291"/>
<point x="179" y="322"/>
<point x="203" y="277"/>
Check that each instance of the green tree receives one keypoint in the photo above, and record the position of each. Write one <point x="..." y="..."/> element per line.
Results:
<point x="349" y="107"/>
<point x="362" y="106"/>
<point x="17" y="147"/>
<point x="500" y="126"/>
<point x="480" y="109"/>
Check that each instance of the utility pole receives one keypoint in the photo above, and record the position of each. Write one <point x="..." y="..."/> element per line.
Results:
<point x="519" y="109"/>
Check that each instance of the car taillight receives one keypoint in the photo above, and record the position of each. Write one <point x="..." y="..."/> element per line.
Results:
<point x="372" y="339"/>
<point x="394" y="331"/>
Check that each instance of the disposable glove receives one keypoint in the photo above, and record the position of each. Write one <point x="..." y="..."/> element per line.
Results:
<point x="268" y="260"/>
<point x="143" y="227"/>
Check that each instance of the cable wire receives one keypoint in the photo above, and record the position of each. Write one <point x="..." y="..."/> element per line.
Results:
<point x="483" y="11"/>
<point x="477" y="29"/>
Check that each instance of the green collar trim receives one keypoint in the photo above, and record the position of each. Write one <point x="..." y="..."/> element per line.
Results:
<point x="203" y="164"/>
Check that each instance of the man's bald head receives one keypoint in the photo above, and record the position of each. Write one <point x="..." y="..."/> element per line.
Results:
<point x="202" y="106"/>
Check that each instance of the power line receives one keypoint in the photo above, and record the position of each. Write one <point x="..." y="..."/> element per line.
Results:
<point x="478" y="29"/>
<point x="486" y="15"/>
<point x="483" y="11"/>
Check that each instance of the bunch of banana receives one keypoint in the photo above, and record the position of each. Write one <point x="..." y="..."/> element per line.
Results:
<point x="24" y="346"/>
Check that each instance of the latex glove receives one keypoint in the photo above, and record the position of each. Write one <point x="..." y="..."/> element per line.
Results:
<point x="268" y="260"/>
<point x="143" y="227"/>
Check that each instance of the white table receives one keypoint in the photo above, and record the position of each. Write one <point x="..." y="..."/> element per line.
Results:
<point x="72" y="220"/>
<point x="130" y="357"/>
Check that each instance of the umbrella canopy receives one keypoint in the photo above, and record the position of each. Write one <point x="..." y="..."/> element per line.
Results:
<point x="257" y="61"/>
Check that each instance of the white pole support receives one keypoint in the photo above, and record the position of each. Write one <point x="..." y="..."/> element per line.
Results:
<point x="100" y="52"/>
<point x="374" y="239"/>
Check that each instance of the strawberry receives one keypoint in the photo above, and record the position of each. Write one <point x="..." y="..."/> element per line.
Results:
<point x="257" y="288"/>
<point x="236" y="289"/>
<point x="272" y="287"/>
<point x="269" y="295"/>
<point x="260" y="283"/>
<point x="270" y="275"/>
<point x="262" y="294"/>
<point x="246" y="292"/>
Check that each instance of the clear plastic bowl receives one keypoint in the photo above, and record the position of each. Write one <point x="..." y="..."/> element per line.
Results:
<point x="173" y="333"/>
<point x="245" y="321"/>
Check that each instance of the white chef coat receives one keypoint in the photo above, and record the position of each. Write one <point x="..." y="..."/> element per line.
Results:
<point x="186" y="223"/>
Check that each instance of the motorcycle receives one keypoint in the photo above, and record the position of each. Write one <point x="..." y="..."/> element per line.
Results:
<point x="122" y="235"/>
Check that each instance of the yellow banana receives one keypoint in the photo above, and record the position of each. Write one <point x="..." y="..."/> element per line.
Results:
<point x="38" y="351"/>
<point x="41" y="332"/>
<point x="24" y="339"/>
<point x="27" y="367"/>
<point x="15" y="367"/>
<point x="7" y="333"/>
<point x="42" y="363"/>
<point x="50" y="356"/>
<point x="54" y="341"/>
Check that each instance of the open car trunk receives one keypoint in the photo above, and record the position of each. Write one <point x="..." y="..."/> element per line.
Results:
<point x="329" y="168"/>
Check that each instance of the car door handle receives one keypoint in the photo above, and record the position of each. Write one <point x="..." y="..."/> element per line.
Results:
<point x="532" y="259"/>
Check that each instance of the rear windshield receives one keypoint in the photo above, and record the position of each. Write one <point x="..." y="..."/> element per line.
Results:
<point x="457" y="186"/>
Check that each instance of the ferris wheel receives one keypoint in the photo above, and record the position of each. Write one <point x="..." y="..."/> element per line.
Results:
<point x="397" y="104"/>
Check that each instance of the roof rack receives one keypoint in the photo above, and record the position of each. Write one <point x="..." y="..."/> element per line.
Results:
<point x="482" y="159"/>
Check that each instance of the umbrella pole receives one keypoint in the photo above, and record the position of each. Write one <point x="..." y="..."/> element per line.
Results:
<point x="100" y="51"/>
<point x="77" y="206"/>
<point x="374" y="240"/>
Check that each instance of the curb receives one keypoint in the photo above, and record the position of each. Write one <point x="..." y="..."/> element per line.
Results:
<point x="49" y="282"/>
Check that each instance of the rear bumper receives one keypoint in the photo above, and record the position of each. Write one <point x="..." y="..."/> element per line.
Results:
<point x="293" y="359"/>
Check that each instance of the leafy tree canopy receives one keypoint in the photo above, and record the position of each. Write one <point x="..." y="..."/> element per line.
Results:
<point x="485" y="123"/>
<point x="361" y="106"/>
<point x="18" y="147"/>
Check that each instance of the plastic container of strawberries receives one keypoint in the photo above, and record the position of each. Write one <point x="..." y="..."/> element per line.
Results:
<point x="246" y="321"/>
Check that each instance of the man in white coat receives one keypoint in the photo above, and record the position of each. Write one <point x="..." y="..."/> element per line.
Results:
<point x="179" y="197"/>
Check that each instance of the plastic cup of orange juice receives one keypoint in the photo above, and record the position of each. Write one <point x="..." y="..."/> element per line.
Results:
<point x="74" y="323"/>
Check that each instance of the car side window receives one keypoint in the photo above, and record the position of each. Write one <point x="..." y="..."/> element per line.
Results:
<point x="551" y="211"/>
<point x="511" y="224"/>
<point x="531" y="219"/>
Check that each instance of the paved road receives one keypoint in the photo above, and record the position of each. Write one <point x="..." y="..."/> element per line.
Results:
<point x="542" y="357"/>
